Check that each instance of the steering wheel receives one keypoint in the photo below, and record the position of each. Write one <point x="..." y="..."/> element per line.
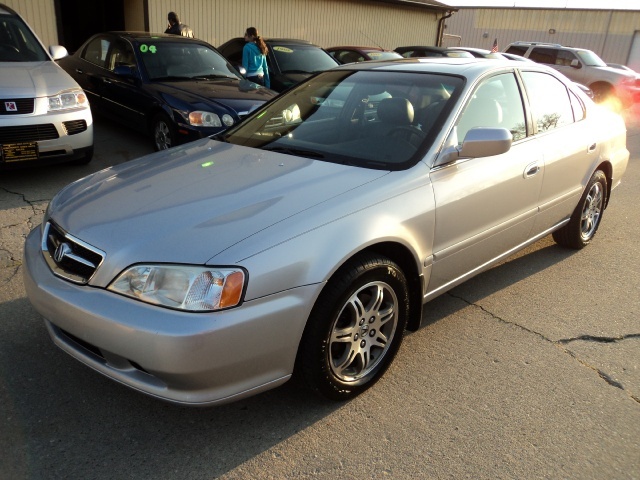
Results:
<point x="408" y="133"/>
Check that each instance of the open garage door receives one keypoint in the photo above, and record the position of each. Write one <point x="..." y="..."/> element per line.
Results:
<point x="79" y="19"/>
<point x="634" y="54"/>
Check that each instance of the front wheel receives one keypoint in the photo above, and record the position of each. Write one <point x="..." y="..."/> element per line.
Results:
<point x="587" y="215"/>
<point x="164" y="136"/>
<point x="355" y="328"/>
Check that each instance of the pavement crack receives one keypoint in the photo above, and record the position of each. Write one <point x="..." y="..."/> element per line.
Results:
<point x="561" y="344"/>
<point x="592" y="338"/>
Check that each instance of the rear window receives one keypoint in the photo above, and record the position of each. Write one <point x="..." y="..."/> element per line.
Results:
<point x="302" y="58"/>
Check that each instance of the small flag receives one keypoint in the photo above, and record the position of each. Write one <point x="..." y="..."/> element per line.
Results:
<point x="494" y="49"/>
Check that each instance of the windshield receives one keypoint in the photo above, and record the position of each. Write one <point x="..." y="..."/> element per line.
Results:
<point x="371" y="119"/>
<point x="590" y="59"/>
<point x="184" y="60"/>
<point x="17" y="43"/>
<point x="302" y="58"/>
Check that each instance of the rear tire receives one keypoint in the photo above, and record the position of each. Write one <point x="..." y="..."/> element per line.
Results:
<point x="587" y="215"/>
<point x="355" y="328"/>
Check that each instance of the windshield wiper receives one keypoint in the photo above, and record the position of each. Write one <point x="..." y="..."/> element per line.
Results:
<point x="296" y="151"/>
<point x="212" y="76"/>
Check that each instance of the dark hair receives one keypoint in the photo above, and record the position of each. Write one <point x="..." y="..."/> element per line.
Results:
<point x="173" y="17"/>
<point x="253" y="32"/>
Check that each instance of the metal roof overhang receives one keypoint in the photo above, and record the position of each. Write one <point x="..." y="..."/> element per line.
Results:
<point x="429" y="4"/>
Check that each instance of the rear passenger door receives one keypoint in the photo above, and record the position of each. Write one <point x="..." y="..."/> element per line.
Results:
<point x="558" y="116"/>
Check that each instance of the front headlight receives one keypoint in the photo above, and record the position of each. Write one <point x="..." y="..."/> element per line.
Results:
<point x="209" y="119"/>
<point x="68" y="100"/>
<point x="182" y="287"/>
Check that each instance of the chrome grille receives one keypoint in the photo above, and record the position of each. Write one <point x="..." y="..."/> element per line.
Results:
<point x="16" y="106"/>
<point x="69" y="257"/>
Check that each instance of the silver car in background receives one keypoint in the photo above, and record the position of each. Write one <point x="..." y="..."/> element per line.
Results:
<point x="307" y="239"/>
<point x="44" y="114"/>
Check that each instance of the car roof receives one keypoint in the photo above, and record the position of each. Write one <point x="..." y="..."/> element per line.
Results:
<point x="424" y="47"/>
<point x="134" y="35"/>
<point x="291" y="41"/>
<point x="364" y="49"/>
<point x="470" y="67"/>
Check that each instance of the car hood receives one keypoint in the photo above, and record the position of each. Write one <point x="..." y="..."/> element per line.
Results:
<point x="190" y="203"/>
<point x="240" y="95"/>
<point x="615" y="71"/>
<point x="33" y="79"/>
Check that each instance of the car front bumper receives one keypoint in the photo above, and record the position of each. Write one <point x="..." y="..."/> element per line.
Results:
<point x="73" y="132"/>
<point x="180" y="357"/>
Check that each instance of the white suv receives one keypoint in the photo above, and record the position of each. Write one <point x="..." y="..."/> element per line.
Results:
<point x="44" y="115"/>
<point x="582" y="66"/>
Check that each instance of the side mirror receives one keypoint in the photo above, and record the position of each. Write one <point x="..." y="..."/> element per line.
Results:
<point x="124" y="71"/>
<point x="58" y="51"/>
<point x="242" y="70"/>
<point x="575" y="63"/>
<point x="479" y="142"/>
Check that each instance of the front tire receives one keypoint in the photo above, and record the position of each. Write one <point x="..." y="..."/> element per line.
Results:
<point x="587" y="215"/>
<point x="355" y="329"/>
<point x="164" y="136"/>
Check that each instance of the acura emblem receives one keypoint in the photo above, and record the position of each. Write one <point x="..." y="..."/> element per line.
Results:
<point x="61" y="252"/>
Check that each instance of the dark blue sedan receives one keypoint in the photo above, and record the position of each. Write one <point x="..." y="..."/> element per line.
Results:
<point x="175" y="88"/>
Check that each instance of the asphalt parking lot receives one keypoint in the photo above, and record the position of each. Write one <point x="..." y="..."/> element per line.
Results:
<point x="530" y="370"/>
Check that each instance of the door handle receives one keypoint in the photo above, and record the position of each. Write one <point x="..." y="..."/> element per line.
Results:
<point x="592" y="148"/>
<point x="78" y="70"/>
<point x="531" y="170"/>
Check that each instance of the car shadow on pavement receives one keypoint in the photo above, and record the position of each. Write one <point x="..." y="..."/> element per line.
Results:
<point x="60" y="419"/>
<point x="534" y="259"/>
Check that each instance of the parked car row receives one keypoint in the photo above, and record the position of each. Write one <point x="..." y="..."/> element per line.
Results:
<point x="174" y="89"/>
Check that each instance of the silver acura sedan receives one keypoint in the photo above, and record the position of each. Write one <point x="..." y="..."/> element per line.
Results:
<point x="306" y="240"/>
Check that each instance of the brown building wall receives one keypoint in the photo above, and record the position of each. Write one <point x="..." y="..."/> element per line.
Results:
<point x="609" y="33"/>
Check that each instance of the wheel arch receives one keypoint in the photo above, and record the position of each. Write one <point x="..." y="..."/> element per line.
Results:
<point x="607" y="169"/>
<point x="405" y="259"/>
<point x="151" y="116"/>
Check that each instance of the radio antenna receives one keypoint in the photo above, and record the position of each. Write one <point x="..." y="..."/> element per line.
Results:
<point x="371" y="40"/>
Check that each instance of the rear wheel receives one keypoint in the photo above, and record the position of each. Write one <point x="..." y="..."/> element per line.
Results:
<point x="587" y="215"/>
<point x="164" y="135"/>
<point x="355" y="328"/>
<point x="604" y="92"/>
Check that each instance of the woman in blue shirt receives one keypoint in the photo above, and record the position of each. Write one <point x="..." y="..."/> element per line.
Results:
<point x="254" y="58"/>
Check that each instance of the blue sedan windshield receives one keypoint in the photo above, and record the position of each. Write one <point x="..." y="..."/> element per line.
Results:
<point x="183" y="60"/>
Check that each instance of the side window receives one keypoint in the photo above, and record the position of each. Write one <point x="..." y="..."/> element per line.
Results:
<point x="121" y="55"/>
<point x="544" y="55"/>
<point x="96" y="51"/>
<point x="517" y="50"/>
<point x="349" y="56"/>
<point x="549" y="100"/>
<point x="578" y="107"/>
<point x="565" y="58"/>
<point x="495" y="103"/>
<point x="233" y="53"/>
